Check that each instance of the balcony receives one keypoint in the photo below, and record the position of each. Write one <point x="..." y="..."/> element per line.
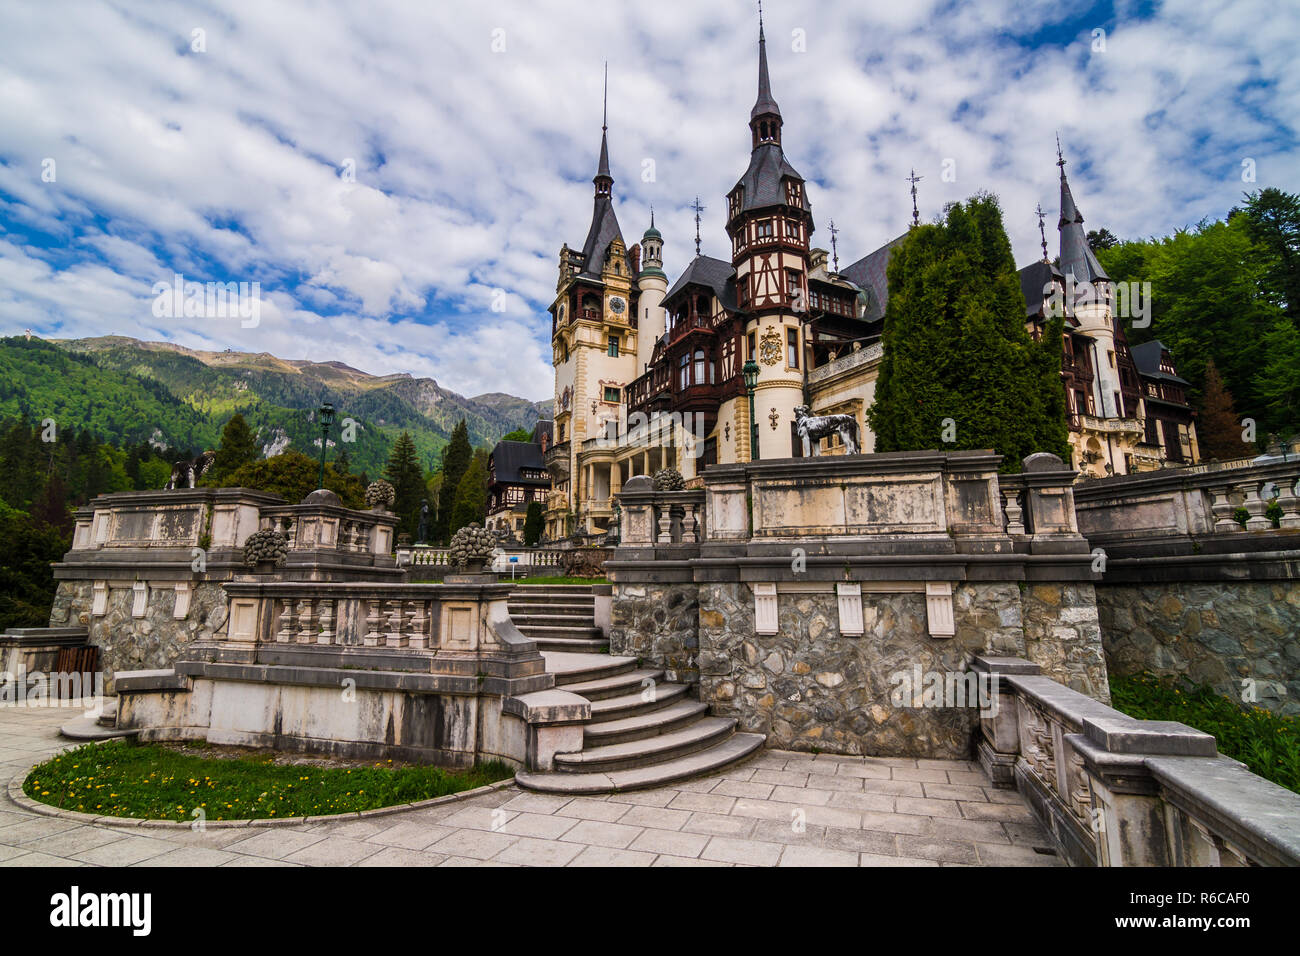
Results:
<point x="1110" y="426"/>
<point x="845" y="363"/>
<point x="557" y="461"/>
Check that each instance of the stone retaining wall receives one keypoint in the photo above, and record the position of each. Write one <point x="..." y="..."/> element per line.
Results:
<point x="1215" y="633"/>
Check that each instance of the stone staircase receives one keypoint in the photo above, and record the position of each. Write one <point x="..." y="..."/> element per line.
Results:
<point x="103" y="727"/>
<point x="559" y="617"/>
<point x="644" y="731"/>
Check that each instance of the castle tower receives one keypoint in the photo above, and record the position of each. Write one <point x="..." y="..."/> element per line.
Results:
<point x="770" y="224"/>
<point x="652" y="281"/>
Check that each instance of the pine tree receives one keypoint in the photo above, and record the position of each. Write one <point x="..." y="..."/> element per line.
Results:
<point x="455" y="460"/>
<point x="1219" y="428"/>
<point x="533" y="523"/>
<point x="471" y="497"/>
<point x="343" y="462"/>
<point x="238" y="446"/>
<point x="959" y="369"/>
<point x="407" y="478"/>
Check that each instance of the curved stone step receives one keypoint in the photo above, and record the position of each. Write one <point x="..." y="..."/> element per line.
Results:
<point x="578" y="646"/>
<point x="89" y="728"/>
<point x="565" y="631"/>
<point x="587" y="621"/>
<point x="626" y="705"/>
<point x="734" y="748"/>
<point x="696" y="736"/>
<point x="575" y="667"/>
<point x="676" y="715"/>
<point x="613" y="686"/>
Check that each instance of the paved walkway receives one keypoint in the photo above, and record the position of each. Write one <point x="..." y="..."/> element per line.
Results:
<point x="777" y="809"/>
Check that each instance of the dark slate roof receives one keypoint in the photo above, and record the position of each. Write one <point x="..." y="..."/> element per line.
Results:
<point x="604" y="230"/>
<point x="714" y="274"/>
<point x="1147" y="359"/>
<point x="763" y="181"/>
<point x="1033" y="280"/>
<point x="508" y="457"/>
<point x="868" y="274"/>
<point x="1077" y="257"/>
<point x="544" y="426"/>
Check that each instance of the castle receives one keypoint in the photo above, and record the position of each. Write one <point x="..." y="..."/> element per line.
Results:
<point x="651" y="376"/>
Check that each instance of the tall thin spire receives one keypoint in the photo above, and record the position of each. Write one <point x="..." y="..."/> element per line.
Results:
<point x="835" y="249"/>
<point x="603" y="180"/>
<point x="765" y="104"/>
<point x="1077" y="257"/>
<point x="916" y="213"/>
<point x="1042" y="230"/>
<point x="699" y="208"/>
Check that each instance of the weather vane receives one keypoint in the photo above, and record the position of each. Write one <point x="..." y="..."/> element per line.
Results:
<point x="1060" y="159"/>
<point x="916" y="215"/>
<point x="604" y="102"/>
<point x="698" y="209"/>
<point x="1042" y="230"/>
<point x="835" y="252"/>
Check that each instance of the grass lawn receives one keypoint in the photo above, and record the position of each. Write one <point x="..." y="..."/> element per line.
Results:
<point x="536" y="580"/>
<point x="1266" y="743"/>
<point x="156" y="782"/>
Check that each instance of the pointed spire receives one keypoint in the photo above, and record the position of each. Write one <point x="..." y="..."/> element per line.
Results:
<point x="765" y="104"/>
<point x="699" y="208"/>
<point x="603" y="180"/>
<point x="916" y="213"/>
<point x="1042" y="229"/>
<point x="1077" y="257"/>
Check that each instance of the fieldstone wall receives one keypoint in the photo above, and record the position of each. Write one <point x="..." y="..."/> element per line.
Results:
<point x="1063" y="636"/>
<point x="1213" y="633"/>
<point x="151" y="642"/>
<point x="659" y="623"/>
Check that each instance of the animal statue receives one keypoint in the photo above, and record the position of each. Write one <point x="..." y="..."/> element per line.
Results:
<point x="813" y="428"/>
<point x="186" y="473"/>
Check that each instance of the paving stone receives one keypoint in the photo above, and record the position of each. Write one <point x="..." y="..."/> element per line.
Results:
<point x="475" y="844"/>
<point x="778" y="831"/>
<point x="970" y="778"/>
<point x="817" y="856"/>
<point x="189" y="856"/>
<point x="597" y="833"/>
<point x="996" y="795"/>
<point x="752" y="852"/>
<point x="672" y="842"/>
<point x="39" y="859"/>
<point x="998" y="811"/>
<point x="926" y="848"/>
<point x="686" y="861"/>
<point x="971" y="831"/>
<point x="929" y="808"/>
<point x="124" y="852"/>
<point x="769" y="810"/>
<point x="1024" y="834"/>
<point x="896" y="788"/>
<point x="536" y="802"/>
<point x="744" y="788"/>
<point x="399" y="856"/>
<point x="709" y="802"/>
<point x="644" y="798"/>
<point x="870" y="859"/>
<point x="879" y="842"/>
<point x="719" y="824"/>
<point x="541" y="825"/>
<point x="662" y="818"/>
<point x="74" y="841"/>
<point x="891" y="761"/>
<point x="334" y="851"/>
<point x="34" y="828"/>
<point x="610" y="856"/>
<point x="704" y="785"/>
<point x="894" y="822"/>
<point x="877" y="802"/>
<point x="780" y="777"/>
<point x="994" y="854"/>
<point x="585" y="808"/>
<point x="241" y="861"/>
<point x="921" y="776"/>
<point x="864" y="770"/>
<point x="833" y="781"/>
<point x="480" y="818"/>
<point x="834" y="817"/>
<point x="954" y="791"/>
<point x="528" y="851"/>
<point x="274" y="844"/>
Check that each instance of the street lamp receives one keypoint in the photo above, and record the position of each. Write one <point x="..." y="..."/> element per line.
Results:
<point x="750" y="372"/>
<point x="326" y="413"/>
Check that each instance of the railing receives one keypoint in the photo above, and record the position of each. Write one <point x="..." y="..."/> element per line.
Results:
<point x="1191" y="501"/>
<point x="1116" y="791"/>
<point x="429" y="557"/>
<point x="1111" y="426"/>
<point x="844" y="363"/>
<point x="659" y="517"/>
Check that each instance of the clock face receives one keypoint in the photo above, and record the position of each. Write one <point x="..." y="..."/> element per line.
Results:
<point x="617" y="305"/>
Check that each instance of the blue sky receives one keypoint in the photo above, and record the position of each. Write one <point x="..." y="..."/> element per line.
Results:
<point x="473" y="131"/>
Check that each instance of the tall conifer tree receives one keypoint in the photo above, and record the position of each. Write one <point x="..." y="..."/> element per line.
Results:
<point x="455" y="461"/>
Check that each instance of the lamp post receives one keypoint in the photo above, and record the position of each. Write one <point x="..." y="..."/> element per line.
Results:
<point x="326" y="413"/>
<point x="750" y="371"/>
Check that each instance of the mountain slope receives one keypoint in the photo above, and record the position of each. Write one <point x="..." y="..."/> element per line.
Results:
<point x="128" y="390"/>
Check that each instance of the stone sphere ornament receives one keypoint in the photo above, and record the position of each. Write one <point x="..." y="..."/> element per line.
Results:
<point x="267" y="549"/>
<point x="669" y="479"/>
<point x="380" y="494"/>
<point x="472" y="546"/>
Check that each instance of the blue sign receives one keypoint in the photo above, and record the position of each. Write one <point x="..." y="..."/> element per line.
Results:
<point x="514" y="558"/>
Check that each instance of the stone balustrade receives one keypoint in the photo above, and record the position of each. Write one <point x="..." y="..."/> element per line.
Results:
<point x="1116" y="791"/>
<point x="651" y="518"/>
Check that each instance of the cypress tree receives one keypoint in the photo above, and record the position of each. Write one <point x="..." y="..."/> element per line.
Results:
<point x="455" y="461"/>
<point x="1219" y="429"/>
<point x="238" y="446"/>
<point x="471" y="497"/>
<point x="407" y="478"/>
<point x="960" y="370"/>
<point x="533" y="523"/>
